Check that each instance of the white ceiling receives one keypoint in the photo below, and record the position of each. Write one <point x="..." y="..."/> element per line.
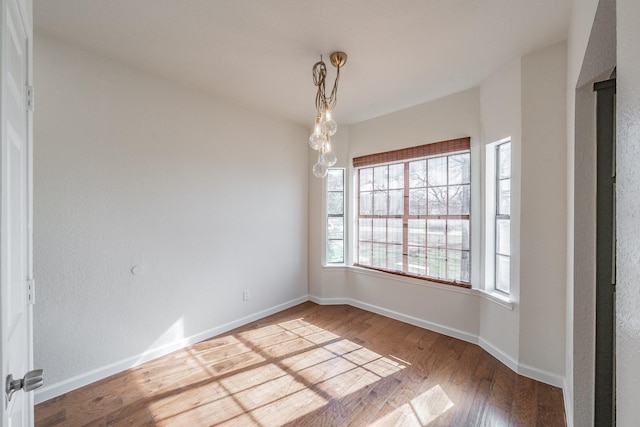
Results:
<point x="259" y="53"/>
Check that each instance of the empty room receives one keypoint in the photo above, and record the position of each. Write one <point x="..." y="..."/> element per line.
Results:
<point x="286" y="212"/>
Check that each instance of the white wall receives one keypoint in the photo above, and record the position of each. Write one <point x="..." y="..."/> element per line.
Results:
<point x="543" y="210"/>
<point x="526" y="101"/>
<point x="325" y="282"/>
<point x="454" y="116"/>
<point x="209" y="198"/>
<point x="628" y="212"/>
<point x="501" y="115"/>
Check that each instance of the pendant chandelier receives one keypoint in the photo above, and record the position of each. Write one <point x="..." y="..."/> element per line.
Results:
<point x="325" y="126"/>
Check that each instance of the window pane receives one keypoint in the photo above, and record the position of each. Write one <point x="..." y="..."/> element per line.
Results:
<point x="418" y="174"/>
<point x="396" y="176"/>
<point x="379" y="255"/>
<point x="454" y="265"/>
<point x="458" y="234"/>
<point x="504" y="160"/>
<point x="459" y="199"/>
<point x="465" y="275"/>
<point x="417" y="260"/>
<point x="503" y="227"/>
<point x="335" y="251"/>
<point x="366" y="203"/>
<point x="364" y="253"/>
<point x="366" y="179"/>
<point x="394" y="230"/>
<point x="418" y="202"/>
<point x="365" y="229"/>
<point x="335" y="203"/>
<point x="335" y="180"/>
<point x="437" y="171"/>
<point x="380" y="201"/>
<point x="436" y="233"/>
<point x="437" y="201"/>
<point x="379" y="230"/>
<point x="394" y="257"/>
<point x="504" y="197"/>
<point x="381" y="178"/>
<point x="417" y="232"/>
<point x="502" y="273"/>
<point x="458" y="266"/>
<point x="459" y="169"/>
<point x="461" y="257"/>
<point x="436" y="263"/>
<point x="396" y="202"/>
<point x="335" y="228"/>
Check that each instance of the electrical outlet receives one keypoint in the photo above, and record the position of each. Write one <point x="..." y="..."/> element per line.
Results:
<point x="246" y="295"/>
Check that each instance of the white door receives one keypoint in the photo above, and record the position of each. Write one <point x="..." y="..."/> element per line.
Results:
<point x="15" y="212"/>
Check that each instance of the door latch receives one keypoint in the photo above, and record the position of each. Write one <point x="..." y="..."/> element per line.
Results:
<point x="31" y="381"/>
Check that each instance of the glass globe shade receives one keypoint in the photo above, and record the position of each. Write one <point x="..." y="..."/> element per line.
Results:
<point x="316" y="140"/>
<point x="319" y="170"/>
<point x="329" y="159"/>
<point x="329" y="126"/>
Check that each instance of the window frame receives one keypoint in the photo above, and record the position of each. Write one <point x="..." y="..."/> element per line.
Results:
<point x="329" y="215"/>
<point x="444" y="149"/>
<point x="498" y="216"/>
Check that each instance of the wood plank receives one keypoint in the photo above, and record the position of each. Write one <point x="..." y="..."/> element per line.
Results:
<point x="524" y="411"/>
<point x="315" y="365"/>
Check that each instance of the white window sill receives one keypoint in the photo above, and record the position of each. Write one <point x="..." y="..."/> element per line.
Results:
<point x="411" y="280"/>
<point x="334" y="267"/>
<point x="498" y="298"/>
<point x="495" y="297"/>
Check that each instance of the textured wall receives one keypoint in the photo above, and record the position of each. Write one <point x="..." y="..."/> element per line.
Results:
<point x="209" y="198"/>
<point x="628" y="212"/>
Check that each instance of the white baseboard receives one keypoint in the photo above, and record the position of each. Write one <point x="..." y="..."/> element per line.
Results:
<point x="503" y="357"/>
<point x="514" y="365"/>
<point x="330" y="301"/>
<point x="86" y="378"/>
<point x="436" y="327"/>
<point x="57" y="389"/>
<point x="567" y="394"/>
<point x="540" y="375"/>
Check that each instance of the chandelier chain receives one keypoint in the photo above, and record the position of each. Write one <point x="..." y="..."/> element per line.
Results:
<point x="319" y="79"/>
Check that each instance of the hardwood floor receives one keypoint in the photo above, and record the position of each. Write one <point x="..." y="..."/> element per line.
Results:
<point x="315" y="365"/>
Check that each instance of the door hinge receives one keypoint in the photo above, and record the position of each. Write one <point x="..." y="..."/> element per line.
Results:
<point x="29" y="94"/>
<point x="31" y="291"/>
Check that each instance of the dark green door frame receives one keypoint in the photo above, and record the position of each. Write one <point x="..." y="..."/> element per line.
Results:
<point x="605" y="255"/>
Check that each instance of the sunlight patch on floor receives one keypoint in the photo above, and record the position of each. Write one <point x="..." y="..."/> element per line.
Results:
<point x="276" y="372"/>
<point x="420" y="411"/>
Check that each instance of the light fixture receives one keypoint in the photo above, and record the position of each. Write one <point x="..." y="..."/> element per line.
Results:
<point x="325" y="126"/>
